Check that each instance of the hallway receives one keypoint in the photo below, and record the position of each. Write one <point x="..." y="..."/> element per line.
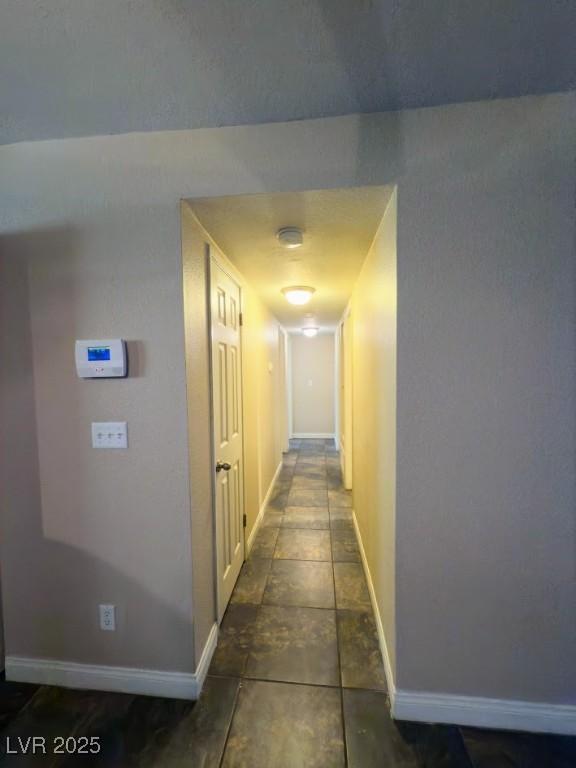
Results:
<point x="298" y="649"/>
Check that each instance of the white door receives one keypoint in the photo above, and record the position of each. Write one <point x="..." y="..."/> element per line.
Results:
<point x="227" y="419"/>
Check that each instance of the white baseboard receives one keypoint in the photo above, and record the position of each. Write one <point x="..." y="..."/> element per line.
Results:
<point x="423" y="707"/>
<point x="143" y="682"/>
<point x="256" y="526"/>
<point x="480" y="712"/>
<point x="205" y="659"/>
<point x="379" y="626"/>
<point x="313" y="435"/>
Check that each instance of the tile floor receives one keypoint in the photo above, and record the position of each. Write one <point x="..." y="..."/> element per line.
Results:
<point x="297" y="678"/>
<point x="300" y="636"/>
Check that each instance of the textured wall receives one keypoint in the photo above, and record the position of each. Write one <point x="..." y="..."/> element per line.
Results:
<point x="79" y="526"/>
<point x="313" y="384"/>
<point x="20" y="488"/>
<point x="77" y="68"/>
<point x="373" y="316"/>
<point x="487" y="403"/>
<point x="261" y="391"/>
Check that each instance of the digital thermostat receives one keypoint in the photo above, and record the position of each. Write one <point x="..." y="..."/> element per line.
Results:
<point x="97" y="359"/>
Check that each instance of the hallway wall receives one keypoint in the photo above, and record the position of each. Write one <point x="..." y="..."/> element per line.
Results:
<point x="486" y="531"/>
<point x="374" y="349"/>
<point x="262" y="387"/>
<point x="313" y="385"/>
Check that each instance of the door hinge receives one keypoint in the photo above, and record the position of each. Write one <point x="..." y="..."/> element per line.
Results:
<point x="241" y="319"/>
<point x="244" y="521"/>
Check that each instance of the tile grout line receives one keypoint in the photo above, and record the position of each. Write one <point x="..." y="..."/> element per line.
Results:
<point x="229" y="729"/>
<point x="339" y="656"/>
<point x="297" y="682"/>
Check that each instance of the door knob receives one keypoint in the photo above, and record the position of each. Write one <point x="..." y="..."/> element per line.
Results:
<point x="220" y="465"/>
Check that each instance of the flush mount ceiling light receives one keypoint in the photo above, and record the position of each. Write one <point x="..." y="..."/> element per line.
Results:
<point x="310" y="331"/>
<point x="298" y="294"/>
<point x="290" y="237"/>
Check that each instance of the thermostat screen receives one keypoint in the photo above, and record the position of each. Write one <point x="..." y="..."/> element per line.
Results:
<point x="98" y="354"/>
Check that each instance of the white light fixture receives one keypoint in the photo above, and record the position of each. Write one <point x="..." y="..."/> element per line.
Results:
<point x="290" y="237"/>
<point x="298" y="294"/>
<point x="310" y="331"/>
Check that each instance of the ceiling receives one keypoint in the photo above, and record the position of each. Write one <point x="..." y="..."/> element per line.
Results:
<point x="338" y="224"/>
<point x="87" y="67"/>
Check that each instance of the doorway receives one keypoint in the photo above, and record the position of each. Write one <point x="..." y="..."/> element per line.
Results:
<point x="345" y="397"/>
<point x="334" y="232"/>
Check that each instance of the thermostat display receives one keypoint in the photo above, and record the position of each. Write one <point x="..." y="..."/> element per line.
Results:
<point x="96" y="354"/>
<point x="97" y="359"/>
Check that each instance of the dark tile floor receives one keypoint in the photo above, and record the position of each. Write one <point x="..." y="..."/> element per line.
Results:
<point x="297" y="679"/>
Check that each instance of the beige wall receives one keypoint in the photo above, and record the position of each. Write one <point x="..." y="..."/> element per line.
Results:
<point x="373" y="318"/>
<point x="486" y="530"/>
<point x="486" y="403"/>
<point x="313" y="384"/>
<point x="261" y="383"/>
<point x="19" y="489"/>
<point x="82" y="527"/>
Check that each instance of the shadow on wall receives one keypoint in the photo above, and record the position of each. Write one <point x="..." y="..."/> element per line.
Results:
<point x="50" y="588"/>
<point x="385" y="167"/>
<point x="380" y="155"/>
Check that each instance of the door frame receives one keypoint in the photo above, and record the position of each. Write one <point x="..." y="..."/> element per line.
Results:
<point x="346" y="423"/>
<point x="213" y="255"/>
<point x="284" y="395"/>
<point x="289" y="399"/>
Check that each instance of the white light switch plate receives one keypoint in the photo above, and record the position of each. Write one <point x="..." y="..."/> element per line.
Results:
<point x="109" y="434"/>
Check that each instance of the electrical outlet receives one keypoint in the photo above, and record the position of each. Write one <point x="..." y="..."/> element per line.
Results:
<point x="107" y="617"/>
<point x="109" y="434"/>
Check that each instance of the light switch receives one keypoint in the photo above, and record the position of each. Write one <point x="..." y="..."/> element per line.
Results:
<point x="109" y="434"/>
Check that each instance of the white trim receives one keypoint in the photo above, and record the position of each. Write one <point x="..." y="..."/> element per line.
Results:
<point x="337" y="364"/>
<point x="289" y="385"/>
<point x="205" y="659"/>
<point x="284" y="386"/>
<point x="423" y="707"/>
<point x="314" y="435"/>
<point x="258" y="521"/>
<point x="143" y="682"/>
<point x="67" y="674"/>
<point x="379" y="626"/>
<point x="476" y="711"/>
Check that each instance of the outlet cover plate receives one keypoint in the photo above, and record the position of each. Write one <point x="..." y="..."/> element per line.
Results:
<point x="107" y="615"/>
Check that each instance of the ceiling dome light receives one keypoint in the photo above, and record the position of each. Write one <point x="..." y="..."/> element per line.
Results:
<point x="310" y="331"/>
<point x="290" y="237"/>
<point x="298" y="294"/>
